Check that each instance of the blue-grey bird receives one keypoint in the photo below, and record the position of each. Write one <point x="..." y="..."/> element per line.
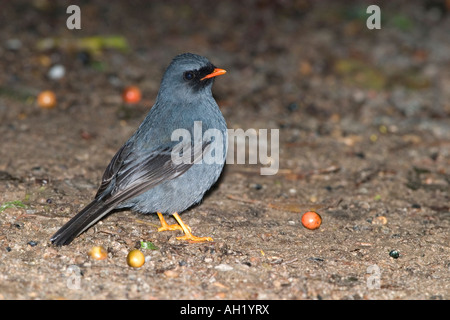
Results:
<point x="158" y="170"/>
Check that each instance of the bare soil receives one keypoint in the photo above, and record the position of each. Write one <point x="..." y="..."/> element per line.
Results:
<point x="364" y="141"/>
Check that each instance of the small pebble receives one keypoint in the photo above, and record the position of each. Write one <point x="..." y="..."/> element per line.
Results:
<point x="256" y="186"/>
<point x="223" y="267"/>
<point x="292" y="107"/>
<point x="182" y="263"/>
<point x="380" y="220"/>
<point x="32" y="243"/>
<point x="56" y="72"/>
<point x="394" y="254"/>
<point x="360" y="155"/>
<point x="13" y="44"/>
<point x="171" y="274"/>
<point x="114" y="80"/>
<point x="84" y="57"/>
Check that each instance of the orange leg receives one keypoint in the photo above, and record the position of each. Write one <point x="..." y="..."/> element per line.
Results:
<point x="165" y="226"/>
<point x="187" y="232"/>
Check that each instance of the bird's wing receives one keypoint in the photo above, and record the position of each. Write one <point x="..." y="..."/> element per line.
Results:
<point x="114" y="167"/>
<point x="133" y="173"/>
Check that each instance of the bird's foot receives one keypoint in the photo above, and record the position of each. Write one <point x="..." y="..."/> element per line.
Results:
<point x="187" y="232"/>
<point x="167" y="227"/>
<point x="191" y="238"/>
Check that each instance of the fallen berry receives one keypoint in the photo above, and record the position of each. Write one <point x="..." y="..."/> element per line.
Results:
<point x="311" y="220"/>
<point x="98" y="253"/>
<point x="135" y="258"/>
<point x="46" y="99"/>
<point x="131" y="94"/>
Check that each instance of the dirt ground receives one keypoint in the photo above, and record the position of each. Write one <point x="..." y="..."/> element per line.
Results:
<point x="364" y="141"/>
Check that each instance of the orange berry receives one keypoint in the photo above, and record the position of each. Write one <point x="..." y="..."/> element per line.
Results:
<point x="311" y="220"/>
<point x="135" y="258"/>
<point x="46" y="99"/>
<point x="98" y="253"/>
<point x="131" y="94"/>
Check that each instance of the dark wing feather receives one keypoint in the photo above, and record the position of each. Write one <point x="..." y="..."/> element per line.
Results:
<point x="134" y="173"/>
<point x="113" y="167"/>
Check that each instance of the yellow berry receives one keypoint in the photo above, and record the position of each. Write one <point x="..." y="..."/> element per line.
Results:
<point x="98" y="253"/>
<point x="135" y="259"/>
<point x="46" y="99"/>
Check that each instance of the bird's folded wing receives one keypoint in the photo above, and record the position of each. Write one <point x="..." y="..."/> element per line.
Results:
<point x="131" y="173"/>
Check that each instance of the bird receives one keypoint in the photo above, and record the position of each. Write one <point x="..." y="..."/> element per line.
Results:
<point x="142" y="175"/>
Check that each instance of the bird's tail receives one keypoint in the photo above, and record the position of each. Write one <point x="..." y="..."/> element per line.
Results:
<point x="82" y="221"/>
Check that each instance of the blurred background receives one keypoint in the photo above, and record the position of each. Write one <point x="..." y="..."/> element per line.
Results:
<point x="286" y="60"/>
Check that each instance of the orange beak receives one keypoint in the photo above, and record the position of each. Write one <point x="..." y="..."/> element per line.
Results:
<point x="215" y="73"/>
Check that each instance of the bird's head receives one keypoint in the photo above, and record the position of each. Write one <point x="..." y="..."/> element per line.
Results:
<point x="187" y="76"/>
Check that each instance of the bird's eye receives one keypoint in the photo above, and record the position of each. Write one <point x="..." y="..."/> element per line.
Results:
<point x="188" y="75"/>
